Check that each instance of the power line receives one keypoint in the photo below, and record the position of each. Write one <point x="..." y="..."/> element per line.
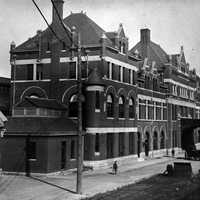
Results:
<point x="67" y="30"/>
<point x="46" y="21"/>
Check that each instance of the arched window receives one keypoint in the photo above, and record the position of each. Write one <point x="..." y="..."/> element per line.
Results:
<point x="121" y="107"/>
<point x="73" y="106"/>
<point x="124" y="48"/>
<point x="131" y="108"/>
<point x="33" y="95"/>
<point x="110" y="106"/>
<point x="162" y="140"/>
<point x="155" y="141"/>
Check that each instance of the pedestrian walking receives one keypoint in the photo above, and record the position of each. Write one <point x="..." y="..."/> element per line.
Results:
<point x="115" y="167"/>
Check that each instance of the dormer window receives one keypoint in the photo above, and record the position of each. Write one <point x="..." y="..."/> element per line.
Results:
<point x="124" y="48"/>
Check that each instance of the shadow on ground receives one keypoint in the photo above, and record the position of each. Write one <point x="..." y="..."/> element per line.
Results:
<point x="52" y="184"/>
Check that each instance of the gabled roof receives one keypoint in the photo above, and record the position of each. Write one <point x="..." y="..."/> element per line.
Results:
<point x="41" y="103"/>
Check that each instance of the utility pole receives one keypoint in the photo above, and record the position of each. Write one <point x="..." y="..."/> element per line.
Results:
<point x="80" y="139"/>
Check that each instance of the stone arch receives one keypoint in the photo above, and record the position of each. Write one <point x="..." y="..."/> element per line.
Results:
<point x="147" y="139"/>
<point x="147" y="129"/>
<point x="122" y="108"/>
<point x="34" y="90"/>
<point x="163" y="128"/>
<point x="162" y="138"/>
<point x="155" y="138"/>
<point x="110" y="89"/>
<point x="121" y="91"/>
<point x="131" y="93"/>
<point x="68" y="93"/>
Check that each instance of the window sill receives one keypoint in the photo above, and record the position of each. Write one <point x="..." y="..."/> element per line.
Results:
<point x="72" y="159"/>
<point x="110" y="118"/>
<point x="48" y="51"/>
<point x="131" y="118"/>
<point x="97" y="110"/>
<point x="121" y="118"/>
<point x="32" y="160"/>
<point x="73" y="117"/>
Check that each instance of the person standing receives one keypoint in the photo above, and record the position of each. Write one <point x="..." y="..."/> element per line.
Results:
<point x="115" y="167"/>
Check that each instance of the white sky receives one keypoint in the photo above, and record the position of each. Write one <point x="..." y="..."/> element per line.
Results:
<point x="172" y="23"/>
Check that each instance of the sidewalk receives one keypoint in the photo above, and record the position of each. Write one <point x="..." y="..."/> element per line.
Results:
<point x="63" y="186"/>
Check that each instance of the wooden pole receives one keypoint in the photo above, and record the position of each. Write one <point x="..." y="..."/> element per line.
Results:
<point x="80" y="139"/>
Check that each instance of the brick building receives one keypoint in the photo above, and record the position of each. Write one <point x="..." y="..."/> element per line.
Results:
<point x="128" y="102"/>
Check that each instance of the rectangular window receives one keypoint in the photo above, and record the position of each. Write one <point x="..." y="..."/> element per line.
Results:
<point x="120" y="74"/>
<point x="97" y="100"/>
<point x="113" y="72"/>
<point x="124" y="74"/>
<point x="142" y="109"/>
<point x="121" y="144"/>
<point x="131" y="143"/>
<point x="97" y="142"/>
<point x="150" y="110"/>
<point x="30" y="72"/>
<point x="107" y="70"/>
<point x="39" y="72"/>
<point x="164" y="111"/>
<point x="84" y="69"/>
<point x="129" y="76"/>
<point x="173" y="110"/>
<point x="158" y="111"/>
<point x="133" y="77"/>
<point x="72" y="70"/>
<point x="72" y="155"/>
<point x="32" y="150"/>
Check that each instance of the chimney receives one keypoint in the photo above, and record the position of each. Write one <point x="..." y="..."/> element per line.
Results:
<point x="145" y="41"/>
<point x="145" y="36"/>
<point x="59" y="7"/>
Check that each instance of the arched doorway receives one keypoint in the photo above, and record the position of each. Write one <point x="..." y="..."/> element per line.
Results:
<point x="147" y="143"/>
<point x="138" y="144"/>
<point x="155" y="140"/>
<point x="162" y="140"/>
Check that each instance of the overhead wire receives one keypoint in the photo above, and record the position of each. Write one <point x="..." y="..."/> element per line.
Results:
<point x="67" y="29"/>
<point x="46" y="21"/>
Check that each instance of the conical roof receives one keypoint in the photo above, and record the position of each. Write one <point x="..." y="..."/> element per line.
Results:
<point x="95" y="78"/>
